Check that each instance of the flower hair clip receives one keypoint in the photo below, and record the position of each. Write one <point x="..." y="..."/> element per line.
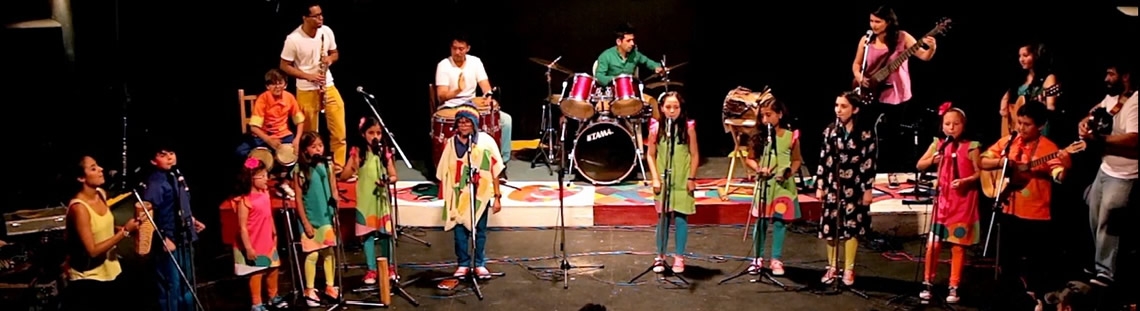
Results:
<point x="944" y="108"/>
<point x="361" y="125"/>
<point x="252" y="163"/>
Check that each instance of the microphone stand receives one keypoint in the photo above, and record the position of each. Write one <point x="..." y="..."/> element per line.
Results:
<point x="472" y="181"/>
<point x="565" y="265"/>
<point x="391" y="138"/>
<point x="863" y="67"/>
<point x="187" y="226"/>
<point x="996" y="209"/>
<point x="395" y="286"/>
<point x="339" y="252"/>
<point x="177" y="266"/>
<point x="665" y="217"/>
<point x="837" y="286"/>
<point x="760" y="203"/>
<point x="547" y="132"/>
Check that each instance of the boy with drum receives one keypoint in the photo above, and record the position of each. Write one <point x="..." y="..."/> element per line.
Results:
<point x="269" y="121"/>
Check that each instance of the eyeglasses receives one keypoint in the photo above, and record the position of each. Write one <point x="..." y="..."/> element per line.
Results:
<point x="316" y="15"/>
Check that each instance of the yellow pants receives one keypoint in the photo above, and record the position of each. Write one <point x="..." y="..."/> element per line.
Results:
<point x="310" y="103"/>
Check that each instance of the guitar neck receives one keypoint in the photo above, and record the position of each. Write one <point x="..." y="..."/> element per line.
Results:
<point x="1041" y="161"/>
<point x="885" y="71"/>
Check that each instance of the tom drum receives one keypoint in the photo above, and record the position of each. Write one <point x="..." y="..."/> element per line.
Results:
<point x="627" y="100"/>
<point x="576" y="104"/>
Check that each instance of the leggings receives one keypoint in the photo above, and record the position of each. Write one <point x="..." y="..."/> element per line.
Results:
<point x="369" y="241"/>
<point x="849" y="248"/>
<point x="957" y="260"/>
<point x="681" y="222"/>
<point x="311" y="267"/>
<point x="270" y="276"/>
<point x="779" y="228"/>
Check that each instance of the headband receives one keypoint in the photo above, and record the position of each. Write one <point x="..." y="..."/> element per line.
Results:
<point x="946" y="106"/>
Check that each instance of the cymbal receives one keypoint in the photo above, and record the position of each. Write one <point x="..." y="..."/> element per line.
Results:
<point x="660" y="84"/>
<point x="667" y="69"/>
<point x="555" y="67"/>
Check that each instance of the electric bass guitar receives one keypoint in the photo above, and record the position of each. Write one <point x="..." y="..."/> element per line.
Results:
<point x="1009" y="121"/>
<point x="876" y="74"/>
<point x="1018" y="175"/>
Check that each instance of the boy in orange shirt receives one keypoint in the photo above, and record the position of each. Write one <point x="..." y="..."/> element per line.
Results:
<point x="272" y="110"/>
<point x="1025" y="228"/>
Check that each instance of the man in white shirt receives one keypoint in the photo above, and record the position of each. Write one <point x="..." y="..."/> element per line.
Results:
<point x="306" y="49"/>
<point x="1109" y="192"/>
<point x="456" y="78"/>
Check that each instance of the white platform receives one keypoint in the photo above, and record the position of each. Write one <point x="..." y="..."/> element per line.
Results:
<point x="534" y="204"/>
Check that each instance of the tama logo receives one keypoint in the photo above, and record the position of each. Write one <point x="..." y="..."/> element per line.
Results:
<point x="599" y="135"/>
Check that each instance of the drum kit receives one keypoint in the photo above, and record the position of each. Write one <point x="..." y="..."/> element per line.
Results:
<point x="607" y="142"/>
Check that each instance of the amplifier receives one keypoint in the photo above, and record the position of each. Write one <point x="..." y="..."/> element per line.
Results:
<point x="35" y="221"/>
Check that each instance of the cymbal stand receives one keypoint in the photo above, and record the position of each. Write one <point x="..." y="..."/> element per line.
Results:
<point x="547" y="132"/>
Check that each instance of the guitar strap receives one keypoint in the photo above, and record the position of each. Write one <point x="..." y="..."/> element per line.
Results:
<point x="1119" y="105"/>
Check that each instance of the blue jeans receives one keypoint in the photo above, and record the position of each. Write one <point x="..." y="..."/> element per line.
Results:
<point x="252" y="142"/>
<point x="463" y="242"/>
<point x="505" y="123"/>
<point x="1105" y="196"/>
<point x="173" y="294"/>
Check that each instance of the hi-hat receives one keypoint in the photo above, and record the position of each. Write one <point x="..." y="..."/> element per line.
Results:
<point x="667" y="69"/>
<point x="660" y="84"/>
<point x="555" y="67"/>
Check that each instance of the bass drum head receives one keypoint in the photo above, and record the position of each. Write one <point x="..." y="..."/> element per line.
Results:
<point x="604" y="153"/>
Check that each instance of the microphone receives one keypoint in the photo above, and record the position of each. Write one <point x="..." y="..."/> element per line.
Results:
<point x="181" y="180"/>
<point x="376" y="146"/>
<point x="839" y="125"/>
<point x="669" y="129"/>
<point x="771" y="133"/>
<point x="1009" y="145"/>
<point x="360" y="89"/>
<point x="870" y="35"/>
<point x="942" y="146"/>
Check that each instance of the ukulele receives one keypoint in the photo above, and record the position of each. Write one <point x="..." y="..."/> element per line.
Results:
<point x="878" y="72"/>
<point x="1019" y="175"/>
<point x="1009" y="121"/>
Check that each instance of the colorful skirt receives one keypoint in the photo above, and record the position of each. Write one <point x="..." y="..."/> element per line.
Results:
<point x="264" y="259"/>
<point x="323" y="237"/>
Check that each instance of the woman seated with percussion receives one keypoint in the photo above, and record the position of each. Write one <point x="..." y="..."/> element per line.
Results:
<point x="269" y="124"/>
<point x="92" y="260"/>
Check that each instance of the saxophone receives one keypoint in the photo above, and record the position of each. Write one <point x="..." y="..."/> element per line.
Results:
<point x="324" y="70"/>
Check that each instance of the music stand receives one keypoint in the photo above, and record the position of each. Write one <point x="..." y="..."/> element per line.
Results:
<point x="760" y="204"/>
<point x="837" y="286"/>
<point x="665" y="216"/>
<point x="565" y="265"/>
<point x="472" y="181"/>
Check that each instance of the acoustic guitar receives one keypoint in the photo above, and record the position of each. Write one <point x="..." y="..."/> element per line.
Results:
<point x="1009" y="121"/>
<point x="1018" y="175"/>
<point x="875" y="74"/>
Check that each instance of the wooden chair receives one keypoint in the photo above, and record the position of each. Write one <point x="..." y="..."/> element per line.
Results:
<point x="246" y="108"/>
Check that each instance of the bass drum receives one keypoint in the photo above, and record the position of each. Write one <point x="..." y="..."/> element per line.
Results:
<point x="604" y="153"/>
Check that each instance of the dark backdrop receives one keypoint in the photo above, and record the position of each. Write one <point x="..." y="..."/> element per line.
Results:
<point x="181" y="63"/>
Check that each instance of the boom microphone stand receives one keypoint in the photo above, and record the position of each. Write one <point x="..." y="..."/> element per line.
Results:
<point x="760" y="204"/>
<point x="388" y="134"/>
<point x="837" y="286"/>
<point x="930" y="234"/>
<point x="665" y="216"/>
<point x="472" y="181"/>
<point x="565" y="266"/>
<point x="177" y="266"/>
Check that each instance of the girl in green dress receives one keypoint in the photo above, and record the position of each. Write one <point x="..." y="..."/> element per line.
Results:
<point x="373" y="208"/>
<point x="781" y="205"/>
<point x="673" y="129"/>
<point x="316" y="208"/>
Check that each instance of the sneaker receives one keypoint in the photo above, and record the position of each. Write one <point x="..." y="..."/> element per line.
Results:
<point x="926" y="289"/>
<point x="258" y="308"/>
<point x="461" y="272"/>
<point x="849" y="277"/>
<point x="278" y="302"/>
<point x="332" y="291"/>
<point x="392" y="274"/>
<point x="777" y="267"/>
<point x="756" y="266"/>
<point x="659" y="265"/>
<point x="483" y="273"/>
<point x="370" y="277"/>
<point x="952" y="296"/>
<point x="311" y="297"/>
<point x="352" y="179"/>
<point x="678" y="264"/>
<point x="828" y="275"/>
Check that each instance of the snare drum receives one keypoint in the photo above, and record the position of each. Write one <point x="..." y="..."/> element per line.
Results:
<point x="443" y="124"/>
<point x="627" y="99"/>
<point x="604" y="153"/>
<point x="576" y="104"/>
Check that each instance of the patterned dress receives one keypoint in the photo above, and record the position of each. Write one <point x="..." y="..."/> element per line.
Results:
<point x="847" y="160"/>
<point x="782" y="198"/>
<point x="453" y="171"/>
<point x="682" y="200"/>
<point x="957" y="218"/>
<point x="373" y="210"/>
<point x="317" y="210"/>
<point x="262" y="235"/>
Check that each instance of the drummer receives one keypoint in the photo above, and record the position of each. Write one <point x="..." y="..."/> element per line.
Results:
<point x="455" y="80"/>
<point x="623" y="58"/>
<point x="269" y="122"/>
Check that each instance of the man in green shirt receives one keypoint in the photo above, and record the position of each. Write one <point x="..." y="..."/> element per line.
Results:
<point x="622" y="58"/>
